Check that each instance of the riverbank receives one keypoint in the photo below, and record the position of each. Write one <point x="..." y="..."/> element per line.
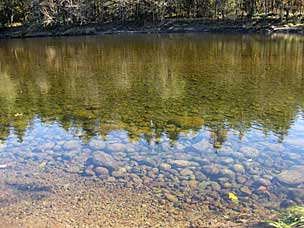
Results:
<point x="243" y="26"/>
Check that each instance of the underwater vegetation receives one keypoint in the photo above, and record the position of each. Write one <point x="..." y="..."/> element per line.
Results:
<point x="293" y="217"/>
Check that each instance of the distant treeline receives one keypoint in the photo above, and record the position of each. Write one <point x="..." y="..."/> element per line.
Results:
<point x="64" y="12"/>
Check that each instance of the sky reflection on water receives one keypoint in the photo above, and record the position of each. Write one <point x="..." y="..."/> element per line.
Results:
<point x="196" y="117"/>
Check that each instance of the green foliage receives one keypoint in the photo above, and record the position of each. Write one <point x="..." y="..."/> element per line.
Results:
<point x="294" y="217"/>
<point x="62" y="12"/>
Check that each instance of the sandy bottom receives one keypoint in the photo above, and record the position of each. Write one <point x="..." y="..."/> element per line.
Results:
<point x="31" y="198"/>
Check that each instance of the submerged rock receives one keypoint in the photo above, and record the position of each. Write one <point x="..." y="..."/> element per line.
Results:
<point x="71" y="145"/>
<point x="2" y="146"/>
<point x="97" y="144"/>
<point x="245" y="190"/>
<point x="227" y="173"/>
<point x="89" y="171"/>
<point x="73" y="169"/>
<point x="294" y="156"/>
<point x="202" y="146"/>
<point x="215" y="186"/>
<point x="190" y="183"/>
<point x="261" y="181"/>
<point x="203" y="185"/>
<point x="171" y="197"/>
<point x="239" y="168"/>
<point x="141" y="160"/>
<point x="241" y="179"/>
<point x="226" y="160"/>
<point x="47" y="146"/>
<point x="179" y="146"/>
<point x="227" y="185"/>
<point x="116" y="147"/>
<point x="186" y="172"/>
<point x="249" y="152"/>
<point x="213" y="169"/>
<point x="292" y="177"/>
<point x="165" y="166"/>
<point x="136" y="179"/>
<point x="103" y="159"/>
<point x="183" y="163"/>
<point x="101" y="171"/>
<point x="118" y="174"/>
<point x="200" y="176"/>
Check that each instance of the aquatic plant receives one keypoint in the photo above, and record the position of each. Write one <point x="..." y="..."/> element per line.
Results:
<point x="293" y="217"/>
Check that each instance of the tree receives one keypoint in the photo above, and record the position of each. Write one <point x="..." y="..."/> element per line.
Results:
<point x="78" y="12"/>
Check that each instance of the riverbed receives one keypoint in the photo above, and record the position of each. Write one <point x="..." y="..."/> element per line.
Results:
<point x="183" y="130"/>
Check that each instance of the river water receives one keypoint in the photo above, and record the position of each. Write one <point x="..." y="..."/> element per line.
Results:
<point x="211" y="124"/>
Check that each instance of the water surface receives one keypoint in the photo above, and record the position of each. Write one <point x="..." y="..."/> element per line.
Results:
<point x="191" y="118"/>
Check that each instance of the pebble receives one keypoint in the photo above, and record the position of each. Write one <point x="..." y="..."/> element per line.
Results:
<point x="136" y="179"/>
<point x="97" y="144"/>
<point x="47" y="146"/>
<point x="165" y="166"/>
<point x="239" y="168"/>
<point x="171" y="197"/>
<point x="212" y="169"/>
<point x="215" y="186"/>
<point x="179" y="146"/>
<point x="227" y="185"/>
<point x="73" y="169"/>
<point x="183" y="163"/>
<point x="227" y="173"/>
<point x="245" y="190"/>
<point x="202" y="146"/>
<point x="71" y="145"/>
<point x="155" y="170"/>
<point x="186" y="172"/>
<point x="2" y="145"/>
<point x="203" y="185"/>
<point x="200" y="176"/>
<point x="145" y="161"/>
<point x="226" y="160"/>
<point x="191" y="183"/>
<point x="116" y="147"/>
<point x="294" y="156"/>
<point x="118" y="174"/>
<point x="292" y="177"/>
<point x="241" y="179"/>
<point x="101" y="171"/>
<point x="249" y="152"/>
<point x="262" y="181"/>
<point x="89" y="171"/>
<point x="105" y="160"/>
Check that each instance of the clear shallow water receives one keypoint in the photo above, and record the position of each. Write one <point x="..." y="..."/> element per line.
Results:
<point x="192" y="118"/>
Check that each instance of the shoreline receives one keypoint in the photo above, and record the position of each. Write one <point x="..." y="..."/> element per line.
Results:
<point x="250" y="26"/>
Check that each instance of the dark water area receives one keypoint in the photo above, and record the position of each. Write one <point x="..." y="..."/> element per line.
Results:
<point x="207" y="121"/>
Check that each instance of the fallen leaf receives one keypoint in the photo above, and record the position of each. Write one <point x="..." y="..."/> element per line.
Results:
<point x="233" y="197"/>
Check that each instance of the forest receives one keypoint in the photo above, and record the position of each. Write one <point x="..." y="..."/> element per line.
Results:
<point x="80" y="12"/>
